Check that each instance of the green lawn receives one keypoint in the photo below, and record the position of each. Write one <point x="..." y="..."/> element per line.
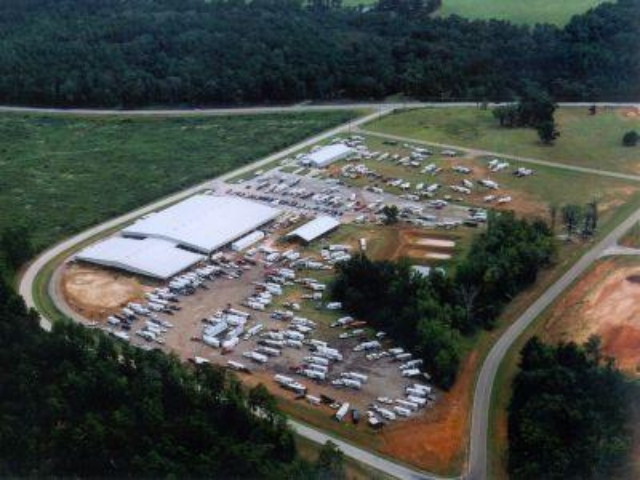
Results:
<point x="558" y="12"/>
<point x="591" y="141"/>
<point x="61" y="174"/>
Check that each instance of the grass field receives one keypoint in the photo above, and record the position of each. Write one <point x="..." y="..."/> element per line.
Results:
<point x="558" y="12"/>
<point x="61" y="174"/>
<point x="591" y="141"/>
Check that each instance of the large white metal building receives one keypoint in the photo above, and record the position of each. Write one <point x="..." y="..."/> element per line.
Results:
<point x="150" y="257"/>
<point x="168" y="242"/>
<point x="327" y="155"/>
<point x="204" y="223"/>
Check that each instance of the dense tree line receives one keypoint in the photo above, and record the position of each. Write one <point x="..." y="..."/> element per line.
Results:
<point x="143" y="52"/>
<point x="569" y="414"/>
<point x="76" y="404"/>
<point x="430" y="314"/>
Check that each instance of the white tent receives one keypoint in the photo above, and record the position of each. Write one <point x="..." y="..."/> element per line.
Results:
<point x="150" y="257"/>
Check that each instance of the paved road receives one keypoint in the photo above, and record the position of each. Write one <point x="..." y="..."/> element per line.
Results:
<point x="477" y="464"/>
<point x="608" y="246"/>
<point x="302" y="107"/>
<point x="621" y="250"/>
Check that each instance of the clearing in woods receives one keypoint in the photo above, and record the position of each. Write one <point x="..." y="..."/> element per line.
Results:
<point x="558" y="12"/>
<point x="476" y="128"/>
<point x="604" y="302"/>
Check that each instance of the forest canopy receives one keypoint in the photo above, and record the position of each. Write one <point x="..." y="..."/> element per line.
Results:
<point x="430" y="314"/>
<point x="570" y="413"/>
<point x="196" y="52"/>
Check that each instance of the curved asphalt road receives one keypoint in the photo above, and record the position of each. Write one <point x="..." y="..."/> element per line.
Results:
<point x="477" y="462"/>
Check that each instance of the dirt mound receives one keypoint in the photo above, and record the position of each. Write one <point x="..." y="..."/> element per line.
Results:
<point x="97" y="293"/>
<point x="605" y="302"/>
<point x="623" y="343"/>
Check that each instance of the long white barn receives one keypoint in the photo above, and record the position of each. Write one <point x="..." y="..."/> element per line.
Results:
<point x="315" y="228"/>
<point x="204" y="223"/>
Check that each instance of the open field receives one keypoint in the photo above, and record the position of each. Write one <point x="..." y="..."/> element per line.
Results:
<point x="557" y="12"/>
<point x="588" y="141"/>
<point x="61" y="174"/>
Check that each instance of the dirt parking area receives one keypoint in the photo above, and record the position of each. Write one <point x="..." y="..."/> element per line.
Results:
<point x="604" y="302"/>
<point x="96" y="292"/>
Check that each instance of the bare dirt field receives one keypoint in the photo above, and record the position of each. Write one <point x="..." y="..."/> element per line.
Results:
<point x="605" y="302"/>
<point x="97" y="292"/>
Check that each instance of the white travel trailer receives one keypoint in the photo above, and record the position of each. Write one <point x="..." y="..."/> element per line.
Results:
<point x="342" y="411"/>
<point x="256" y="357"/>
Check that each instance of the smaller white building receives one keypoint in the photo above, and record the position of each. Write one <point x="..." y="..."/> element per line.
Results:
<point x="327" y="155"/>
<point x="315" y="228"/>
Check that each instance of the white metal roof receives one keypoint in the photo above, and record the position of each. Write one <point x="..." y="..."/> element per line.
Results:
<point x="151" y="257"/>
<point x="422" y="270"/>
<point x="329" y="154"/>
<point x="315" y="228"/>
<point x="204" y="222"/>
